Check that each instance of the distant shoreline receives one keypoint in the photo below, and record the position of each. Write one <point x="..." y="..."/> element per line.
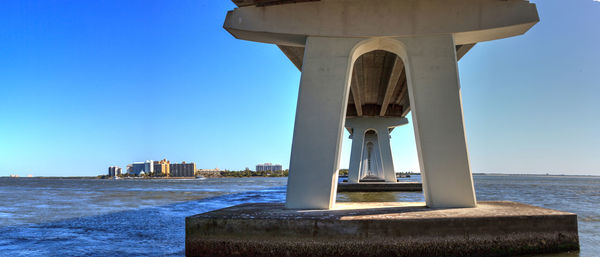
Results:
<point x="127" y="178"/>
<point x="538" y="174"/>
<point x="109" y="178"/>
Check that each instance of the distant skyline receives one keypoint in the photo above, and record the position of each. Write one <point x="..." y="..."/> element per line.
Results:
<point x="86" y="85"/>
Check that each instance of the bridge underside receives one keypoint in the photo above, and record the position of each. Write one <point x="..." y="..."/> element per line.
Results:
<point x="378" y="86"/>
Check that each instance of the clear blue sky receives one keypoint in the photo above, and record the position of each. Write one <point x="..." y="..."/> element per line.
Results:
<point x="89" y="84"/>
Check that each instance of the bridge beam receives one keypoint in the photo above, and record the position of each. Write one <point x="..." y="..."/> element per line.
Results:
<point x="356" y="94"/>
<point x="397" y="69"/>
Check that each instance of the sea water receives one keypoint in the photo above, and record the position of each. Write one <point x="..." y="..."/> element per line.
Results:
<point x="146" y="217"/>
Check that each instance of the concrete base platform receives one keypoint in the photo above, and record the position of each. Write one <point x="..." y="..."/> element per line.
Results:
<point x="380" y="187"/>
<point x="371" y="178"/>
<point x="381" y="229"/>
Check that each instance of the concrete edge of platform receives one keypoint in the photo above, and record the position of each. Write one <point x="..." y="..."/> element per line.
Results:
<point x="380" y="187"/>
<point x="350" y="233"/>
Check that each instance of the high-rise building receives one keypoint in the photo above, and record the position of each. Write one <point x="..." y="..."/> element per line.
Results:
<point x="162" y="167"/>
<point x="149" y="167"/>
<point x="268" y="167"/>
<point x="137" y="167"/>
<point x="114" y="171"/>
<point x="182" y="169"/>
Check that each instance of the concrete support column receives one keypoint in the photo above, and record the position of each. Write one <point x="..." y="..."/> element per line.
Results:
<point x="320" y="118"/>
<point x="382" y="148"/>
<point x="436" y="107"/>
<point x="371" y="156"/>
<point x="389" y="172"/>
<point x="358" y="139"/>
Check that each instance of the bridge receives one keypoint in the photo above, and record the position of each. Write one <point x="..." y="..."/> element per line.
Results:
<point x="365" y="65"/>
<point x="378" y="60"/>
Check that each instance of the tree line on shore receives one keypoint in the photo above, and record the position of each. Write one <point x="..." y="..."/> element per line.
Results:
<point x="344" y="172"/>
<point x="242" y="173"/>
<point x="248" y="173"/>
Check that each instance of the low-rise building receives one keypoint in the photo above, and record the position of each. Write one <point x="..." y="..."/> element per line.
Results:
<point x="268" y="167"/>
<point x="210" y="170"/>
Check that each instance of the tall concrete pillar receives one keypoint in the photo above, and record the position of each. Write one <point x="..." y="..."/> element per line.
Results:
<point x="381" y="143"/>
<point x="372" y="164"/>
<point x="436" y="107"/>
<point x="320" y="118"/>
<point x="358" y="138"/>
<point x="386" y="154"/>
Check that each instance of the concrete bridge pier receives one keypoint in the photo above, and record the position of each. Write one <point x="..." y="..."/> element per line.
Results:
<point x="435" y="102"/>
<point x="320" y="119"/>
<point x="379" y="58"/>
<point x="376" y="59"/>
<point x="373" y="132"/>
<point x="437" y="116"/>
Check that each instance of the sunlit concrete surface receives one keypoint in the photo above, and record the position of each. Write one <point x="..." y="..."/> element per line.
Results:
<point x="381" y="229"/>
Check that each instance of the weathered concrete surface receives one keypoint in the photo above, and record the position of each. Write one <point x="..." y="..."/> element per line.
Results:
<point x="381" y="229"/>
<point x="380" y="187"/>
